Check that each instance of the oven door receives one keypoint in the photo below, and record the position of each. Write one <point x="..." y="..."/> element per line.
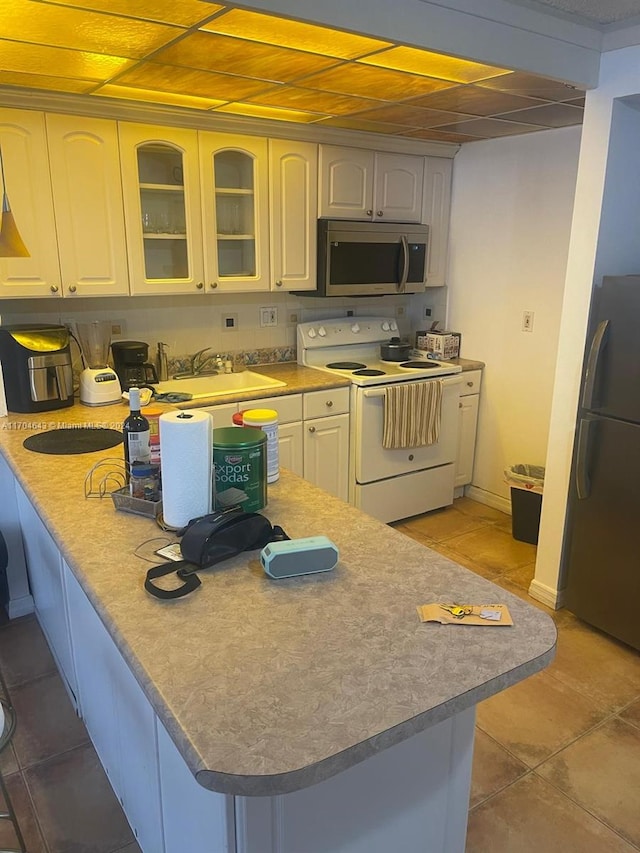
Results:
<point x="372" y="462"/>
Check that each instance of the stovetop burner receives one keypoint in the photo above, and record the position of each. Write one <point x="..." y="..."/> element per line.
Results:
<point x="369" y="371"/>
<point x="423" y="365"/>
<point x="346" y="365"/>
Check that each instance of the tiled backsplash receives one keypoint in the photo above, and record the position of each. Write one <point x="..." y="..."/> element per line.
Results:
<point x="189" y="323"/>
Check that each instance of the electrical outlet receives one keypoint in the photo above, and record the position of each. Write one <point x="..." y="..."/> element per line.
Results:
<point x="116" y="329"/>
<point x="527" y="321"/>
<point x="293" y="319"/>
<point x="229" y="322"/>
<point x="269" y="316"/>
<point x="427" y="312"/>
<point x="350" y="313"/>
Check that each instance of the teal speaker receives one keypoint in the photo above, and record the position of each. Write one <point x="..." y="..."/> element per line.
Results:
<point x="299" y="557"/>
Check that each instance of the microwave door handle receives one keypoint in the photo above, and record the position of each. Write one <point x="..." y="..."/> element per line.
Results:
<point x="405" y="264"/>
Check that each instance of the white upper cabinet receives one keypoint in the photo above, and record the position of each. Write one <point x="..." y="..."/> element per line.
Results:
<point x="235" y="211"/>
<point x="161" y="181"/>
<point x="26" y="169"/>
<point x="293" y="194"/>
<point x="369" y="185"/>
<point x="87" y="192"/>
<point x="435" y="213"/>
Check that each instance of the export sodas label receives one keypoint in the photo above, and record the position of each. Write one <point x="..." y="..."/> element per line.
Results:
<point x="240" y="478"/>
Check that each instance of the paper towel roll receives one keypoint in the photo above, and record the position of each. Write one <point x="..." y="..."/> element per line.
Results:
<point x="186" y="447"/>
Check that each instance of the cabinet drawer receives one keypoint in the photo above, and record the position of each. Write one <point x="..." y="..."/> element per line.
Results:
<point x="471" y="380"/>
<point x="318" y="404"/>
<point x="288" y="407"/>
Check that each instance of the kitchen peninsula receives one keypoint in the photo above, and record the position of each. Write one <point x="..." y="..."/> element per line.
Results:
<point x="308" y="715"/>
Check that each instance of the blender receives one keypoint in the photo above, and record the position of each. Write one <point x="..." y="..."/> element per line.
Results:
<point x="99" y="383"/>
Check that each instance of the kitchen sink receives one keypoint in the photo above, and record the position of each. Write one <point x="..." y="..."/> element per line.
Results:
<point x="219" y="384"/>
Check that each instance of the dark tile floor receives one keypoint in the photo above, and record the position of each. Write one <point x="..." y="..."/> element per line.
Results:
<point x="557" y="757"/>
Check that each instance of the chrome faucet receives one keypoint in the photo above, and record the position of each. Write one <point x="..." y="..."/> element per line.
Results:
<point x="206" y="364"/>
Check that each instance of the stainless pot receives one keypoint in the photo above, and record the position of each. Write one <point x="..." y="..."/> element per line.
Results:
<point x="395" y="350"/>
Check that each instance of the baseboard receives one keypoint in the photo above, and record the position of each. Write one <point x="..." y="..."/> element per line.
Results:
<point x="18" y="607"/>
<point x="488" y="498"/>
<point x="553" y="598"/>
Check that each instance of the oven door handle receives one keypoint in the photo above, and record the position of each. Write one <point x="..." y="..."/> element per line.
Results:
<point x="404" y="275"/>
<point x="446" y="380"/>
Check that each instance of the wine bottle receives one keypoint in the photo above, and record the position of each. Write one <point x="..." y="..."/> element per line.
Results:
<point x="137" y="436"/>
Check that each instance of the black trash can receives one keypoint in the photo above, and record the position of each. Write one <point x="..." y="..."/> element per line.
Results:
<point x="526" y="483"/>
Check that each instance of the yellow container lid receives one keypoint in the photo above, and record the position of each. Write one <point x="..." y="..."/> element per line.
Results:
<point x="259" y="415"/>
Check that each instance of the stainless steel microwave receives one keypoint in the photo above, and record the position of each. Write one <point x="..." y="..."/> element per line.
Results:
<point x="371" y="258"/>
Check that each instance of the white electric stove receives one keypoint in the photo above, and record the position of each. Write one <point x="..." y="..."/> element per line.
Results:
<point x="388" y="484"/>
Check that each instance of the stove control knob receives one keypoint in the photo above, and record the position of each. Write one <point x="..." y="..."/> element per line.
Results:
<point x="355" y="328"/>
<point x="386" y="326"/>
<point x="322" y="332"/>
<point x="312" y="333"/>
<point x="394" y="326"/>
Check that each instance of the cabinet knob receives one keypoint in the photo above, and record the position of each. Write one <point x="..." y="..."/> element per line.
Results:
<point x="54" y="288"/>
<point x="312" y="429"/>
<point x="213" y="285"/>
<point x="329" y="404"/>
<point x="459" y="405"/>
<point x="470" y="384"/>
<point x="72" y="288"/>
<point x="411" y="457"/>
<point x="199" y="285"/>
<point x="369" y="212"/>
<point x="379" y="212"/>
<point x="278" y="284"/>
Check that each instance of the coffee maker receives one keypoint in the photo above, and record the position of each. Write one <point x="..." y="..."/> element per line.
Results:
<point x="36" y="366"/>
<point x="131" y="365"/>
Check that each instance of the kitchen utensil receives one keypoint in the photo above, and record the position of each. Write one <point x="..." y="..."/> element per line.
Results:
<point x="99" y="383"/>
<point x="395" y="350"/>
<point x="131" y="365"/>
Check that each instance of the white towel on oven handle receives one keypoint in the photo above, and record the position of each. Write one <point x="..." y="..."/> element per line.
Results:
<point x="412" y="412"/>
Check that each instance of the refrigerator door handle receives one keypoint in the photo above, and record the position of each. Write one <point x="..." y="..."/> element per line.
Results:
<point x="583" y="485"/>
<point x="595" y="349"/>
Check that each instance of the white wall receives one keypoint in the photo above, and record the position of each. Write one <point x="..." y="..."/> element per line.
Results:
<point x="510" y="225"/>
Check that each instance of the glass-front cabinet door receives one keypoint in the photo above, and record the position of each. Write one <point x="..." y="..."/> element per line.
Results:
<point x="235" y="212"/>
<point x="162" y="206"/>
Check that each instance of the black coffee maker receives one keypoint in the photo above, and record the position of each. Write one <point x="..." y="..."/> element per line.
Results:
<point x="131" y="365"/>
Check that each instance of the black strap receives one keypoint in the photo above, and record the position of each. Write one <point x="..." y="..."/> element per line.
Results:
<point x="185" y="571"/>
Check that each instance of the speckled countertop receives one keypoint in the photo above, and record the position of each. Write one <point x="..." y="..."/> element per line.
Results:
<point x="271" y="686"/>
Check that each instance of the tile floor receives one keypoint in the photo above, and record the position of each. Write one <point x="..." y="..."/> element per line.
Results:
<point x="557" y="757"/>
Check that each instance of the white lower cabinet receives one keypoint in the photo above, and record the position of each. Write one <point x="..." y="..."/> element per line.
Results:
<point x="45" y="570"/>
<point x="468" y="425"/>
<point x="119" y="719"/>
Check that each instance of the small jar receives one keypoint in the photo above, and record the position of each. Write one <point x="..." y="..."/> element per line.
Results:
<point x="144" y="482"/>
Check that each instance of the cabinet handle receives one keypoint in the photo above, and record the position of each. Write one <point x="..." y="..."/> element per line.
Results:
<point x="54" y="288"/>
<point x="199" y="285"/>
<point x="369" y="212"/>
<point x="470" y="384"/>
<point x="459" y="405"/>
<point x="213" y="285"/>
<point x="312" y="429"/>
<point x="379" y="212"/>
<point x="72" y="288"/>
<point x="329" y="404"/>
<point x="278" y="284"/>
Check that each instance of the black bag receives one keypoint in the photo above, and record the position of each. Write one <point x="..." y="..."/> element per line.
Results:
<point x="209" y="540"/>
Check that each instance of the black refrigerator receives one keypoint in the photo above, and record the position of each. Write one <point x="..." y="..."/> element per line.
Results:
<point x="602" y="553"/>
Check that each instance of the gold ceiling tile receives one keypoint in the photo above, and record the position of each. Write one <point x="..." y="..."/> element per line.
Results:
<point x="269" y="29"/>
<point x="433" y="64"/>
<point x="356" y="123"/>
<point x="188" y="81"/>
<point x="63" y="26"/>
<point x="38" y="59"/>
<point x="234" y="56"/>
<point x="45" y="82"/>
<point x="408" y="115"/>
<point x="547" y="115"/>
<point x="489" y="128"/>
<point x="147" y="95"/>
<point x="441" y="136"/>
<point x="520" y="83"/>
<point x="184" y="13"/>
<point x="363" y="80"/>
<point x="257" y="111"/>
<point x="474" y="100"/>
<point x="309" y="99"/>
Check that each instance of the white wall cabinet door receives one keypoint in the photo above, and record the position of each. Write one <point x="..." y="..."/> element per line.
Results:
<point x="467" y="426"/>
<point x="87" y="192"/>
<point x="161" y="184"/>
<point x="44" y="565"/>
<point x="326" y="454"/>
<point x="293" y="201"/>
<point x="26" y="168"/>
<point x="398" y="187"/>
<point x="346" y="182"/>
<point x="235" y="211"/>
<point x="436" y="210"/>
